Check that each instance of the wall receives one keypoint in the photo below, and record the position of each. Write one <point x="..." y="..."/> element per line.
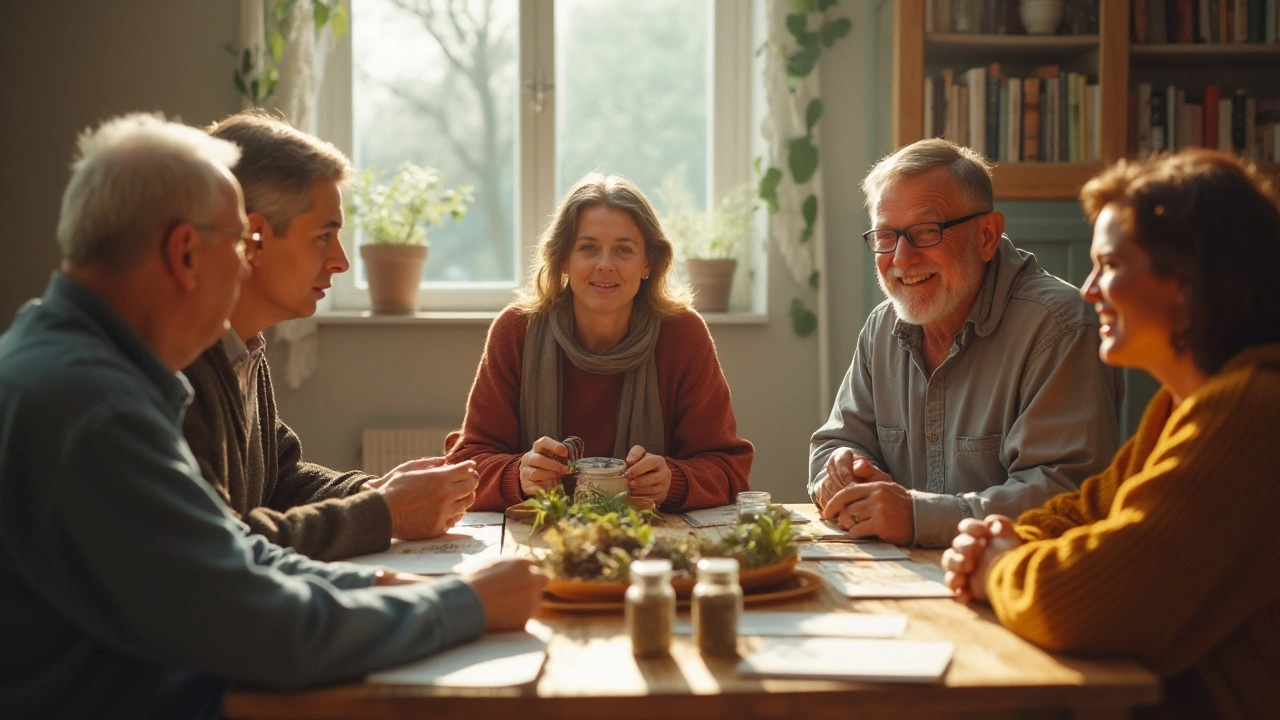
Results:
<point x="65" y="65"/>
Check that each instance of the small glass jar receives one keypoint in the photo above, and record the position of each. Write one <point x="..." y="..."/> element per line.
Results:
<point x="717" y="606"/>
<point x="752" y="503"/>
<point x="650" y="608"/>
<point x="599" y="477"/>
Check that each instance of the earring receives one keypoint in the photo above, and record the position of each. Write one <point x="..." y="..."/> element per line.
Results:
<point x="644" y="277"/>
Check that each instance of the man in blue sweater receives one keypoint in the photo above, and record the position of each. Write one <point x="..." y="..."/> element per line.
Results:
<point x="128" y="590"/>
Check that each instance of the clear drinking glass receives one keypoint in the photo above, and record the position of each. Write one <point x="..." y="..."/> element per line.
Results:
<point x="752" y="503"/>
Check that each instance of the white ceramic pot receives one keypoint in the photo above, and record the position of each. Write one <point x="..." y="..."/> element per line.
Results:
<point x="1041" y="17"/>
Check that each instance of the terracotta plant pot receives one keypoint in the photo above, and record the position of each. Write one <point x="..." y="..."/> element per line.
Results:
<point x="711" y="280"/>
<point x="394" y="273"/>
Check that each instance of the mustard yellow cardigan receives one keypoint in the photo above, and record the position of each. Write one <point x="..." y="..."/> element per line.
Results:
<point x="1171" y="556"/>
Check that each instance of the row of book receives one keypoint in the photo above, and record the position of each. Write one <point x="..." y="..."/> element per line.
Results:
<point x="1174" y="118"/>
<point x="1205" y="21"/>
<point x="1000" y="17"/>
<point x="1050" y="116"/>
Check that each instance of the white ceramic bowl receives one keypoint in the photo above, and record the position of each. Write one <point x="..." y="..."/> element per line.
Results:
<point x="1041" y="17"/>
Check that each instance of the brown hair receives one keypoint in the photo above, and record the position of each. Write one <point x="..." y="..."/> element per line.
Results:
<point x="1211" y="222"/>
<point x="279" y="164"/>
<point x="547" y="281"/>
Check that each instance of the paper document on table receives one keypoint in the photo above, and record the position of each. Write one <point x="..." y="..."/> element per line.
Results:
<point x="891" y="579"/>
<point x="493" y="660"/>
<point x="725" y="515"/>
<point x="480" y="518"/>
<point x="799" y="624"/>
<point x="458" y="549"/>
<point x="823" y="530"/>
<point x="847" y="659"/>
<point x="850" y="551"/>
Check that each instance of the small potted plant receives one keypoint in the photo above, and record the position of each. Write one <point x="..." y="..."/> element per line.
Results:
<point x="709" y="242"/>
<point x="393" y="214"/>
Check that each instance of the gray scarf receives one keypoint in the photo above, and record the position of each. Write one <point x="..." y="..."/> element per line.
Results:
<point x="639" y="407"/>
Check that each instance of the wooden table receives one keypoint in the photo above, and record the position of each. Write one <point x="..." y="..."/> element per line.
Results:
<point x="590" y="673"/>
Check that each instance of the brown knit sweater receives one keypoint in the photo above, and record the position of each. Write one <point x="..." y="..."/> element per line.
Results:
<point x="1171" y="556"/>
<point x="709" y="463"/>
<point x="259" y="471"/>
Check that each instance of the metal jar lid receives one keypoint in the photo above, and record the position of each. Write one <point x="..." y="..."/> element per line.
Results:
<point x="594" y="467"/>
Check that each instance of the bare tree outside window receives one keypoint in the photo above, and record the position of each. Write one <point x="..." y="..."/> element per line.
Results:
<point x="436" y="83"/>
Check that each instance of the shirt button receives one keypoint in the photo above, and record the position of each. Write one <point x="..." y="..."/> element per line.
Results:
<point x="933" y="437"/>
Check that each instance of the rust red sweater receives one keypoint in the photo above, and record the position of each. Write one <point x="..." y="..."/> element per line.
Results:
<point x="709" y="462"/>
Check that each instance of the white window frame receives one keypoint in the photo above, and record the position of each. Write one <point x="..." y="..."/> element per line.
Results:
<point x="730" y="153"/>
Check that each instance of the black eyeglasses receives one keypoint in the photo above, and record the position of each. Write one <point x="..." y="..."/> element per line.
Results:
<point x="247" y="243"/>
<point x="920" y="235"/>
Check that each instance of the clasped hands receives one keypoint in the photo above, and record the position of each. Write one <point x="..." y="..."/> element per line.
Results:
<point x="864" y="500"/>
<point x="543" y="466"/>
<point x="972" y="553"/>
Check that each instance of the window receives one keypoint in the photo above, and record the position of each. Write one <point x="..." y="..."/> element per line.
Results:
<point x="519" y="99"/>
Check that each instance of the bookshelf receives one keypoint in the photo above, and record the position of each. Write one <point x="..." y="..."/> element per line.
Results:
<point x="1118" y="63"/>
<point x="918" y="53"/>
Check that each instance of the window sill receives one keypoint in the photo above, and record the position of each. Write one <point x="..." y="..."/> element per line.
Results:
<point x="485" y="317"/>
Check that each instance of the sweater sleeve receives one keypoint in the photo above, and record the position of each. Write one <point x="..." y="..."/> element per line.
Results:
<point x="491" y="428"/>
<point x="1135" y="581"/>
<point x="1092" y="501"/>
<point x="185" y="588"/>
<point x="709" y="463"/>
<point x="321" y="513"/>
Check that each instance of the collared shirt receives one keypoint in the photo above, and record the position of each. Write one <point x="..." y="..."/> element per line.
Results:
<point x="246" y="359"/>
<point x="128" y="589"/>
<point x="1021" y="409"/>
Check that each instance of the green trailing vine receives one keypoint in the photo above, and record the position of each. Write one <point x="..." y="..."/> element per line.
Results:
<point x="257" y="73"/>
<point x="813" y="31"/>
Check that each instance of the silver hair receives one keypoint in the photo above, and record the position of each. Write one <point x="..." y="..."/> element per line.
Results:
<point x="970" y="169"/>
<point x="280" y="164"/>
<point x="134" y="177"/>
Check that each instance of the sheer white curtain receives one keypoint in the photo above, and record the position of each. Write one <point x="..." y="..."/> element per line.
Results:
<point x="297" y="96"/>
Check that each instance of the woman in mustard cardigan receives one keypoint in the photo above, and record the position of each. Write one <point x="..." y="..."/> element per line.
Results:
<point x="1171" y="556"/>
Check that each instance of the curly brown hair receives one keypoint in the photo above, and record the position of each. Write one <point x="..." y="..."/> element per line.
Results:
<point x="1212" y="222"/>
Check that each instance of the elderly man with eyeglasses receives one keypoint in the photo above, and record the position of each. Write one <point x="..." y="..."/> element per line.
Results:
<point x="292" y="194"/>
<point x="976" y="387"/>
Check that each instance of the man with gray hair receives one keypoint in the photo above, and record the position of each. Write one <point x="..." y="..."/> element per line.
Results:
<point x="976" y="387"/>
<point x="292" y="192"/>
<point x="128" y="590"/>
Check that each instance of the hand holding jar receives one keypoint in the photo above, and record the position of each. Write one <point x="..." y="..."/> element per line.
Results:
<point x="649" y="474"/>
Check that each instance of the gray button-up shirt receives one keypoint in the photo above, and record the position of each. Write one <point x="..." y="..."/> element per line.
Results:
<point x="1020" y="410"/>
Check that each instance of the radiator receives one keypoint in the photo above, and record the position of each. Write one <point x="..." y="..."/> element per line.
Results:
<point x="384" y="448"/>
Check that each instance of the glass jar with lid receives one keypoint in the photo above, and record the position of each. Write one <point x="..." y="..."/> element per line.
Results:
<point x="650" y="608"/>
<point x="717" y="606"/>
<point x="598" y="477"/>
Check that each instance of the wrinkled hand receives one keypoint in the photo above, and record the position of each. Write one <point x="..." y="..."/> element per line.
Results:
<point x="879" y="508"/>
<point x="845" y="467"/>
<point x="969" y="559"/>
<point x="510" y="590"/>
<point x="542" y="467"/>
<point x="427" y="497"/>
<point x="649" y="474"/>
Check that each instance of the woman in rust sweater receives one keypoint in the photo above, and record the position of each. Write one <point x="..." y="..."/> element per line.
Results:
<point x="1171" y="556"/>
<point x="604" y="346"/>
